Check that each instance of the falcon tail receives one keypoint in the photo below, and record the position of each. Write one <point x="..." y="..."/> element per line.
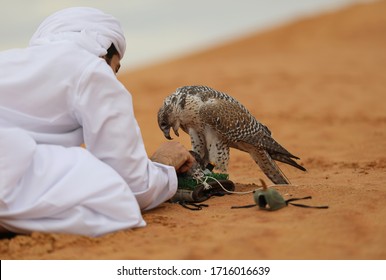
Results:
<point x="269" y="167"/>
<point x="287" y="160"/>
<point x="278" y="152"/>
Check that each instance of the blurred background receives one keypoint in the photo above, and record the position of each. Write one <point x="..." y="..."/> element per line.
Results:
<point x="158" y="30"/>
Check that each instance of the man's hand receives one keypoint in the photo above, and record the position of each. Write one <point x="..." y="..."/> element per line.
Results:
<point x="174" y="154"/>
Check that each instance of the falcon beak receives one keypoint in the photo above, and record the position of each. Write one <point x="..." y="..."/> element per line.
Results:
<point x="175" y="129"/>
<point x="167" y="134"/>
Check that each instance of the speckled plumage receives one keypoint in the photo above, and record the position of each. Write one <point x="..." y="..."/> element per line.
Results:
<point x="216" y="122"/>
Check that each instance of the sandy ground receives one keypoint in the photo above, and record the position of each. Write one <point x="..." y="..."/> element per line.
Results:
<point x="320" y="86"/>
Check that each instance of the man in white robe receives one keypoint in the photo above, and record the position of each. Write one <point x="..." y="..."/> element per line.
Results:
<point x="56" y="94"/>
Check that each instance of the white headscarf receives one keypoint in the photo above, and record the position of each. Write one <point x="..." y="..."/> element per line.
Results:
<point x="90" y="28"/>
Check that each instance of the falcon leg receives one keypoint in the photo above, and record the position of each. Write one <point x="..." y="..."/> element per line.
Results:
<point x="199" y="145"/>
<point x="219" y="155"/>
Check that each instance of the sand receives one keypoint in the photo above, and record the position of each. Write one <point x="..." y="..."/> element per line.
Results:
<point x="319" y="84"/>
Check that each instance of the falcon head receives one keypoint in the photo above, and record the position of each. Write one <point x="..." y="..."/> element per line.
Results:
<point x="167" y="119"/>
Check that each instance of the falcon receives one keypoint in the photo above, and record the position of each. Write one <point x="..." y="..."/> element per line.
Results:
<point x="217" y="122"/>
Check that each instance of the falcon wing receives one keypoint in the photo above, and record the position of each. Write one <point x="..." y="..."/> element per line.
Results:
<point x="230" y="120"/>
<point x="236" y="124"/>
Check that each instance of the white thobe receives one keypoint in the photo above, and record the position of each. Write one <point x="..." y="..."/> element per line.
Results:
<point x="53" y="98"/>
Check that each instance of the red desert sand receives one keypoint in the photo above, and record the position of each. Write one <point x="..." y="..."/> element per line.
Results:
<point x="319" y="84"/>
